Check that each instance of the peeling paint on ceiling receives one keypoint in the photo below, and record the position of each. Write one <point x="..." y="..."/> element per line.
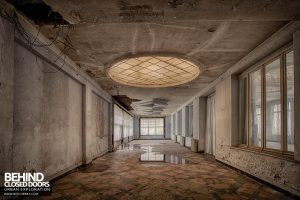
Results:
<point x="216" y="34"/>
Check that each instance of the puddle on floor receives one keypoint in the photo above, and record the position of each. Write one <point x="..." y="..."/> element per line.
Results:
<point x="129" y="147"/>
<point x="124" y="146"/>
<point x="151" y="156"/>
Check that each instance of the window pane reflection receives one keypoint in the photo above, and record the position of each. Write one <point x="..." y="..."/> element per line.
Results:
<point x="255" y="109"/>
<point x="290" y="100"/>
<point x="273" y="105"/>
<point x="152" y="126"/>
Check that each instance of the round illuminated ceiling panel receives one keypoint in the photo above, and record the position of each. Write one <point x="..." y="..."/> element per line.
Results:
<point x="153" y="71"/>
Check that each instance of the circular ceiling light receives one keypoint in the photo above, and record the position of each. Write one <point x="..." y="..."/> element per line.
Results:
<point x="153" y="71"/>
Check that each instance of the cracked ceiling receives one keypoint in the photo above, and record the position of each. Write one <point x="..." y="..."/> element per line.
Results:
<point x="214" y="33"/>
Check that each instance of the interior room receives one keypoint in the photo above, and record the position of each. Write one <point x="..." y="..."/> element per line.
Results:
<point x="139" y="99"/>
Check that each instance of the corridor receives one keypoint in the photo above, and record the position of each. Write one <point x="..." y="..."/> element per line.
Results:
<point x="159" y="169"/>
<point x="149" y="99"/>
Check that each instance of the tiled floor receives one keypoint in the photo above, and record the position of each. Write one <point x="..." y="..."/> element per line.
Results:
<point x="122" y="175"/>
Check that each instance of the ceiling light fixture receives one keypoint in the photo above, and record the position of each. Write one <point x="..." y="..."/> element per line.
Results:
<point x="153" y="71"/>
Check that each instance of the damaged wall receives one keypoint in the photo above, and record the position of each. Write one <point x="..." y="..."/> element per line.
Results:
<point x="48" y="118"/>
<point x="99" y="126"/>
<point x="278" y="171"/>
<point x="6" y="93"/>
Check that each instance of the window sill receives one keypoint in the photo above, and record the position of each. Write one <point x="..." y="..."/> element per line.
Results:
<point x="267" y="152"/>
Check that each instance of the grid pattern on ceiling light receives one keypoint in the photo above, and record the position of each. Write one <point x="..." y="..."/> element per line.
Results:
<point x="153" y="71"/>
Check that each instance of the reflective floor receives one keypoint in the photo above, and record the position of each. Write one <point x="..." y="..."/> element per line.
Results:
<point x="159" y="169"/>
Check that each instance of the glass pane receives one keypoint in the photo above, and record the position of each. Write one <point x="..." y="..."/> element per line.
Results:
<point x="152" y="126"/>
<point x="144" y="131"/>
<point x="243" y="111"/>
<point x="152" y="131"/>
<point x="159" y="131"/>
<point x="273" y="105"/>
<point x="144" y="123"/>
<point x="255" y="109"/>
<point x="159" y="122"/>
<point x="290" y="100"/>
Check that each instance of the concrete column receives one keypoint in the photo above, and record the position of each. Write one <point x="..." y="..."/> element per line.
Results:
<point x="172" y="128"/>
<point x="183" y="132"/>
<point x="168" y="126"/>
<point x="6" y="94"/>
<point x="136" y="127"/>
<point x="296" y="45"/>
<point x="176" y="125"/>
<point x="196" y="112"/>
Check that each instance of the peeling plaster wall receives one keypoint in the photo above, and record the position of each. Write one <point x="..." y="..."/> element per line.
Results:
<point x="6" y="93"/>
<point x="49" y="122"/>
<point x="100" y="128"/>
<point x="280" y="172"/>
<point x="47" y="116"/>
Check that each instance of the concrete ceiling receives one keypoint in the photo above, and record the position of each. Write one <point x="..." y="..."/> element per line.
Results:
<point x="214" y="33"/>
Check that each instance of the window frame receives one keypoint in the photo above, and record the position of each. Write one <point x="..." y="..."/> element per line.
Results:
<point x="164" y="128"/>
<point x="283" y="151"/>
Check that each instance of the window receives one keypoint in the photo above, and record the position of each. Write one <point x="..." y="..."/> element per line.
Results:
<point x="152" y="126"/>
<point x="118" y="123"/>
<point x="123" y="124"/>
<point x="255" y="109"/>
<point x="289" y="106"/>
<point x="127" y="125"/>
<point x="189" y="120"/>
<point x="266" y="105"/>
<point x="273" y="104"/>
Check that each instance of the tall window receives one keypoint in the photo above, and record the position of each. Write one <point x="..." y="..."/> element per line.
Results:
<point x="266" y="105"/>
<point x="118" y="123"/>
<point x="123" y="124"/>
<point x="255" y="108"/>
<point x="152" y="126"/>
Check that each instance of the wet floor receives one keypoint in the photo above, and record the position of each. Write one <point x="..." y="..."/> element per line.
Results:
<point x="149" y="155"/>
<point x="158" y="170"/>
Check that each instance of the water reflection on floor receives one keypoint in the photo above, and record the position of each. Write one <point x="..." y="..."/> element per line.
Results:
<point x="131" y="173"/>
<point x="129" y="147"/>
<point x="150" y="155"/>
